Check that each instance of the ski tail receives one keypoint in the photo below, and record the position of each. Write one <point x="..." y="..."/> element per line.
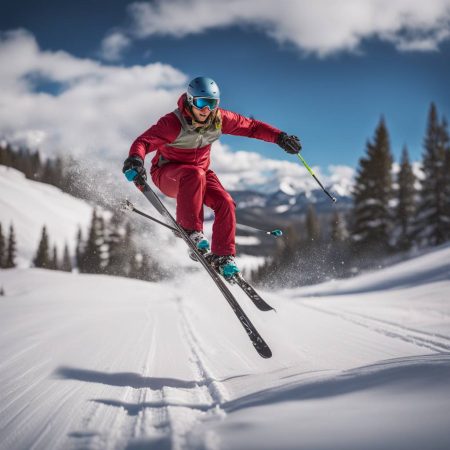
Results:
<point x="257" y="300"/>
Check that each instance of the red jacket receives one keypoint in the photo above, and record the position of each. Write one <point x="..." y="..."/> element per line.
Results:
<point x="176" y="139"/>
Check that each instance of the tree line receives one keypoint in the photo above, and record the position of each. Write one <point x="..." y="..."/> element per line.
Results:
<point x="8" y="248"/>
<point x="62" y="172"/>
<point x="51" y="170"/>
<point x="392" y="214"/>
<point x="109" y="247"/>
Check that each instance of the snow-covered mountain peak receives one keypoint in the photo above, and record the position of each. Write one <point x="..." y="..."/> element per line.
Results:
<point x="287" y="188"/>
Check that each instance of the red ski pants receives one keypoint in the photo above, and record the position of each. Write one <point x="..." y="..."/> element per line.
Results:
<point x="194" y="187"/>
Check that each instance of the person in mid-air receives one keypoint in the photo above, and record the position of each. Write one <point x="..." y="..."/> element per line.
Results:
<point x="180" y="168"/>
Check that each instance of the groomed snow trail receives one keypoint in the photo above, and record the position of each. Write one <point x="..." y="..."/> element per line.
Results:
<point x="96" y="362"/>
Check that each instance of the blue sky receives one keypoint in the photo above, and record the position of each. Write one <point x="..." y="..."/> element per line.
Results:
<point x="330" y="92"/>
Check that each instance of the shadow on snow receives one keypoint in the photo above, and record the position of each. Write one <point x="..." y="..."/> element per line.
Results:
<point x="410" y="373"/>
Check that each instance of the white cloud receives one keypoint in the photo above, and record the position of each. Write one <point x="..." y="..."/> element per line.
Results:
<point x="113" y="45"/>
<point x="250" y="170"/>
<point x="98" y="109"/>
<point x="321" y="27"/>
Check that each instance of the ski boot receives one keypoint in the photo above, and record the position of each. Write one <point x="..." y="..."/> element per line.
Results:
<point x="199" y="239"/>
<point x="225" y="265"/>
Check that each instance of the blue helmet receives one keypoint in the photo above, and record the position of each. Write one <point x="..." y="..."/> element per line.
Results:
<point x="205" y="90"/>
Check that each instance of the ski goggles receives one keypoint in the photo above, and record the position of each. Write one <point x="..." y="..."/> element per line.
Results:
<point x="201" y="102"/>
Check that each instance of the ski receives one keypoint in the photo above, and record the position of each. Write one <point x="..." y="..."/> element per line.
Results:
<point x="258" y="301"/>
<point x="258" y="342"/>
<point x="238" y="279"/>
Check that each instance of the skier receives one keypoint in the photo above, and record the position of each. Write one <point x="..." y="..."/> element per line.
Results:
<point x="180" y="168"/>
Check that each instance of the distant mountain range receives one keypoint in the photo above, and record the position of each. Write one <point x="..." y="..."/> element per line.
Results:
<point x="286" y="197"/>
<point x="280" y="209"/>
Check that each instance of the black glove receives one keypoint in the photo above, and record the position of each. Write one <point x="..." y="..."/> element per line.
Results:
<point x="134" y="170"/>
<point x="290" y="144"/>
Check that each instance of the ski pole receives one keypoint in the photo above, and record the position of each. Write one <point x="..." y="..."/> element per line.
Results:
<point x="128" y="206"/>
<point x="300" y="157"/>
<point x="276" y="233"/>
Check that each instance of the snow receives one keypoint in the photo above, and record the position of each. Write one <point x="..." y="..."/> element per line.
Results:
<point x="249" y="262"/>
<point x="97" y="362"/>
<point x="287" y="188"/>
<point x="282" y="208"/>
<point x="247" y="240"/>
<point x="30" y="205"/>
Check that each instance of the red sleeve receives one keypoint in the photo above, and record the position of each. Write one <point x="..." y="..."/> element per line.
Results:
<point x="233" y="123"/>
<point x="164" y="131"/>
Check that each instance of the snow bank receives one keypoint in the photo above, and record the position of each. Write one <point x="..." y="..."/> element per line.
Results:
<point x="29" y="205"/>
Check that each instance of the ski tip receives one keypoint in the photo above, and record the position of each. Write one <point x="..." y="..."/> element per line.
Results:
<point x="264" y="352"/>
<point x="262" y="348"/>
<point x="265" y="307"/>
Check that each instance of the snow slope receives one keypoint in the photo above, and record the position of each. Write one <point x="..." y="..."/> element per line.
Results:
<point x="30" y="205"/>
<point x="96" y="362"/>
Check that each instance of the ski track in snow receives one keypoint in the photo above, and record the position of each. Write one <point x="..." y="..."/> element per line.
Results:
<point x="94" y="362"/>
<point x="434" y="342"/>
<point x="160" y="419"/>
<point x="97" y="363"/>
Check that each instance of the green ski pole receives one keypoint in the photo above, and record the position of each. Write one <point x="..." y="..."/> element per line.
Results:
<point x="300" y="157"/>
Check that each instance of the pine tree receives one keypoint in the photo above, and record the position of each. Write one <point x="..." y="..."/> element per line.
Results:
<point x="339" y="232"/>
<point x="36" y="165"/>
<point x="66" y="265"/>
<point x="7" y="156"/>
<point x="406" y="206"/>
<point x="433" y="219"/>
<point x="48" y="172"/>
<point x="11" y="250"/>
<point x="2" y="248"/>
<point x="372" y="221"/>
<point x="26" y="163"/>
<point x="79" y="250"/>
<point x="42" y="258"/>
<point x="447" y="176"/>
<point x="116" y="252"/>
<point x="91" y="257"/>
<point x="54" y="265"/>
<point x="2" y="155"/>
<point x="58" y="173"/>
